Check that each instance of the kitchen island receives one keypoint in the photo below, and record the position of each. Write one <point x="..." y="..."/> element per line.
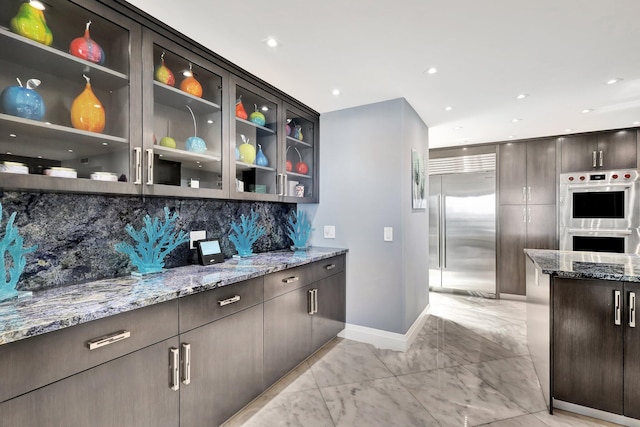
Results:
<point x="582" y="334"/>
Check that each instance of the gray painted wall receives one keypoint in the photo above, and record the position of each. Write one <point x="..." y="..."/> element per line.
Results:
<point x="365" y="182"/>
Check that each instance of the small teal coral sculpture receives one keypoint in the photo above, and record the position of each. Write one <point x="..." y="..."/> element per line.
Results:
<point x="154" y="241"/>
<point x="11" y="243"/>
<point x="299" y="230"/>
<point x="246" y="234"/>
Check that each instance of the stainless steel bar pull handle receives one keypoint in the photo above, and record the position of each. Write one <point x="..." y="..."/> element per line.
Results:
<point x="632" y="309"/>
<point x="529" y="193"/>
<point x="108" y="339"/>
<point x="186" y="363"/>
<point x="310" y="301"/>
<point x="329" y="267"/>
<point x="524" y="215"/>
<point x="149" y="166"/>
<point x="529" y="215"/>
<point x="524" y="194"/>
<point x="601" y="158"/>
<point x="138" y="165"/>
<point x="174" y="369"/>
<point x="228" y="301"/>
<point x="594" y="155"/>
<point x="290" y="279"/>
<point x="616" y="298"/>
<point x="314" y="306"/>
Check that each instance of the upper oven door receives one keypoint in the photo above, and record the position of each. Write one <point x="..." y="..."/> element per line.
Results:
<point x="601" y="200"/>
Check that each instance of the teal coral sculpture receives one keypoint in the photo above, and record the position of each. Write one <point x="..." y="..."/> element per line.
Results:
<point x="299" y="230"/>
<point x="154" y="241"/>
<point x="246" y="234"/>
<point x="11" y="245"/>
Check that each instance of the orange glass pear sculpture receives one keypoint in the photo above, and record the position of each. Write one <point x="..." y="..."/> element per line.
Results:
<point x="191" y="85"/>
<point x="87" y="112"/>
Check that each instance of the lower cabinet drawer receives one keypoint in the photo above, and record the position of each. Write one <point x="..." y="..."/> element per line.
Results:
<point x="284" y="281"/>
<point x="205" y="307"/>
<point x="328" y="267"/>
<point x="34" y="362"/>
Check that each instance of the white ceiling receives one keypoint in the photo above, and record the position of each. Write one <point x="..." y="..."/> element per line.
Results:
<point x="561" y="52"/>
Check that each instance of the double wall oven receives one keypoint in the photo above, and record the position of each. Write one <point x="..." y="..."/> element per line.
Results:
<point x="600" y="211"/>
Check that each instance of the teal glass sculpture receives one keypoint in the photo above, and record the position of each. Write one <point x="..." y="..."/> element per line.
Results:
<point x="299" y="230"/>
<point x="246" y="233"/>
<point x="154" y="241"/>
<point x="13" y="261"/>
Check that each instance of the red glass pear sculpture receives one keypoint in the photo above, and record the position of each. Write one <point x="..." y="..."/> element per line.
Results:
<point x="86" y="48"/>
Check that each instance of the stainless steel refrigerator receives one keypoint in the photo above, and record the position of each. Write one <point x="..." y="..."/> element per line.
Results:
<point x="462" y="232"/>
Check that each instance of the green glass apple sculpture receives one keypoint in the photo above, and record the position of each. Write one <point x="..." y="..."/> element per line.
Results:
<point x="257" y="117"/>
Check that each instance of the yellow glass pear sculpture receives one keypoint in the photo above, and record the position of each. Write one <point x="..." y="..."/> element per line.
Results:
<point x="87" y="112"/>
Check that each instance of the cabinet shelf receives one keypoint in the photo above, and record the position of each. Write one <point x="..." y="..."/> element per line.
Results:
<point x="172" y="97"/>
<point x="37" y="56"/>
<point x="183" y="156"/>
<point x="247" y="166"/>
<point x="261" y="129"/>
<point x="298" y="175"/>
<point x="297" y="143"/>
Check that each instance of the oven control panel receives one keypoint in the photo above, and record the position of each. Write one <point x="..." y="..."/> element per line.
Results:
<point x="600" y="177"/>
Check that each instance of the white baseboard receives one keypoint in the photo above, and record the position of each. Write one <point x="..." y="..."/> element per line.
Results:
<point x="385" y="339"/>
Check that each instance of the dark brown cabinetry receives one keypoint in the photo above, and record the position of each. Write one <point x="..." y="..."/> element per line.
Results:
<point x="595" y="348"/>
<point x="604" y="150"/>
<point x="527" y="209"/>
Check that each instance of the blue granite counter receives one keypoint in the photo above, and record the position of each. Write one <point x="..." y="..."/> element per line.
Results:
<point x="587" y="265"/>
<point x="56" y="308"/>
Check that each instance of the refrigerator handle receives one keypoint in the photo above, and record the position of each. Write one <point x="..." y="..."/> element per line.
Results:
<point x="444" y="232"/>
<point x="439" y="236"/>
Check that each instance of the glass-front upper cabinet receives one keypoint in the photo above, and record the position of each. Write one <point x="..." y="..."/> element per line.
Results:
<point x="69" y="94"/>
<point x="256" y="140"/>
<point x="301" y="143"/>
<point x="184" y="130"/>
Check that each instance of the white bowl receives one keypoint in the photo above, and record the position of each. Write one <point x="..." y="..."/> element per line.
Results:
<point x="61" y="172"/>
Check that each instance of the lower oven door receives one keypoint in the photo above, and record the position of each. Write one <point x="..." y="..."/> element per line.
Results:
<point x="600" y="240"/>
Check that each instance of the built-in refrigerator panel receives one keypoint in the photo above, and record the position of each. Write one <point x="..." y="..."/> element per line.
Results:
<point x="462" y="232"/>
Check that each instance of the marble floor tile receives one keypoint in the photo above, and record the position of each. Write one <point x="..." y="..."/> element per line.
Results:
<point x="521" y="421"/>
<point x="384" y="402"/>
<point x="299" y="409"/>
<point x="515" y="378"/>
<point x="346" y="364"/>
<point x="456" y="397"/>
<point x="421" y="356"/>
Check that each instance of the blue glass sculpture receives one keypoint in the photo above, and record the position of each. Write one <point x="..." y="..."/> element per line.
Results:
<point x="299" y="230"/>
<point x="154" y="241"/>
<point x="246" y="233"/>
<point x="10" y="270"/>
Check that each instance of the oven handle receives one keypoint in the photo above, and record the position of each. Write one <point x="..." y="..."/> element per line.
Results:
<point x="612" y="231"/>
<point x="598" y="186"/>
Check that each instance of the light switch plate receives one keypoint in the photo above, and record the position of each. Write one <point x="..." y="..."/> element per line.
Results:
<point x="194" y="236"/>
<point x="388" y="234"/>
<point x="329" y="231"/>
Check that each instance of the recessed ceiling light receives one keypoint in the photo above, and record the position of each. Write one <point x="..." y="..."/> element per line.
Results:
<point x="105" y="143"/>
<point x="271" y="42"/>
<point x="9" y="152"/>
<point x="613" y="81"/>
<point x="568" y="130"/>
<point x="432" y="70"/>
<point x="210" y="121"/>
<point x="457" y="128"/>
<point x="161" y="155"/>
<point x="336" y="92"/>
<point x="197" y="161"/>
<point x="38" y="5"/>
<point x="636" y="123"/>
<point x="522" y="96"/>
<point x="448" y="108"/>
<point x="47" y="123"/>
<point x="515" y="120"/>
<point x="39" y="157"/>
<point x="464" y="148"/>
<point x="511" y="136"/>
<point x="70" y="150"/>
<point x="265" y="108"/>
<point x="199" y="166"/>
<point x="12" y="135"/>
<point x="587" y="110"/>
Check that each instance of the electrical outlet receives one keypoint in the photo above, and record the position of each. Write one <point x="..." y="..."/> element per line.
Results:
<point x="388" y="234"/>
<point x="194" y="236"/>
<point x="329" y="231"/>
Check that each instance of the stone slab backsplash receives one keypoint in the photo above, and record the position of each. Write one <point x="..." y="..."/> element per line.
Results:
<point x="76" y="233"/>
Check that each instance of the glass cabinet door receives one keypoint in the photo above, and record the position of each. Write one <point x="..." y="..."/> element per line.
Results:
<point x="256" y="144"/>
<point x="301" y="161"/>
<point x="184" y="152"/>
<point x="67" y="98"/>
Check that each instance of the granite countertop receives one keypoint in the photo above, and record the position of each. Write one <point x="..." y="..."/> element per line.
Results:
<point x="58" y="308"/>
<point x="587" y="265"/>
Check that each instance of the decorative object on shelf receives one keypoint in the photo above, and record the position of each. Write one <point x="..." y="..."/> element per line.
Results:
<point x="257" y="117"/>
<point x="247" y="151"/>
<point x="87" y="112"/>
<point x="299" y="230"/>
<point x="287" y="128"/>
<point x="167" y="141"/>
<point x="301" y="167"/>
<point x="29" y="22"/>
<point x="22" y="101"/>
<point x="295" y="129"/>
<point x="299" y="190"/>
<point x="246" y="234"/>
<point x="191" y="85"/>
<point x="154" y="241"/>
<point x="11" y="246"/>
<point x="261" y="159"/>
<point x="237" y="153"/>
<point x="299" y="132"/>
<point x="86" y="48"/>
<point x="193" y="143"/>
<point x="288" y="165"/>
<point x="163" y="74"/>
<point x="61" y="172"/>
<point x="240" y="111"/>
